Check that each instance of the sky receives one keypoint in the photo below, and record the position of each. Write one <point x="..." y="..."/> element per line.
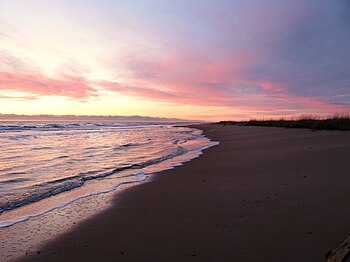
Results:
<point x="192" y="59"/>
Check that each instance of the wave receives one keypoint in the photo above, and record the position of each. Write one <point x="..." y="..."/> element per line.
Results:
<point x="20" y="126"/>
<point x="141" y="176"/>
<point x="41" y="191"/>
<point x="42" y="148"/>
<point x="128" y="145"/>
<point x="15" y="180"/>
<point x="37" y="193"/>
<point x="182" y="141"/>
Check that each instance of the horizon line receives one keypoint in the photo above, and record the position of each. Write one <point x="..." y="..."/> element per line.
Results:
<point x="4" y="117"/>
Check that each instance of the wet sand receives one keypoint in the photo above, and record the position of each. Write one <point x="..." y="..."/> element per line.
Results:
<point x="264" y="194"/>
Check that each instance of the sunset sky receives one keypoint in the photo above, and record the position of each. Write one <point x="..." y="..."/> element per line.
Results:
<point x="193" y="59"/>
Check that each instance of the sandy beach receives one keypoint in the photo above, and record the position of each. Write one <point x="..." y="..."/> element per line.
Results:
<point x="263" y="194"/>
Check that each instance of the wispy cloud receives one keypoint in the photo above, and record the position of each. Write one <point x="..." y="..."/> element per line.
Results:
<point x="67" y="86"/>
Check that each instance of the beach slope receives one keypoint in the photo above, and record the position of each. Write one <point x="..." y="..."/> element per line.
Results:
<point x="263" y="194"/>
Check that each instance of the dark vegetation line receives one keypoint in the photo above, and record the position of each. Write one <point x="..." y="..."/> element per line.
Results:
<point x="335" y="122"/>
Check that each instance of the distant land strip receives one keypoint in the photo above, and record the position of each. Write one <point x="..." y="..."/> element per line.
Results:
<point x="336" y="122"/>
<point x="108" y="118"/>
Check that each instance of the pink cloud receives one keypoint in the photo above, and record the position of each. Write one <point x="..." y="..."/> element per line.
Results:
<point x="68" y="86"/>
<point x="268" y="99"/>
<point x="192" y="79"/>
<point x="19" y="98"/>
<point x="230" y="76"/>
<point x="272" y="86"/>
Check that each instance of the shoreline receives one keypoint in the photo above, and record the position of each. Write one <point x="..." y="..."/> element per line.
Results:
<point x="263" y="194"/>
<point x="52" y="221"/>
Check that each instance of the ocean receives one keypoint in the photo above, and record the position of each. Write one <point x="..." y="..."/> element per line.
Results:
<point x="47" y="166"/>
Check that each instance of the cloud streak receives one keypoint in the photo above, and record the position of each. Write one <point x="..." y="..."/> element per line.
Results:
<point x="68" y="86"/>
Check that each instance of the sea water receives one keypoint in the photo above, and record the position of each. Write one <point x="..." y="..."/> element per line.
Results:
<point x="51" y="170"/>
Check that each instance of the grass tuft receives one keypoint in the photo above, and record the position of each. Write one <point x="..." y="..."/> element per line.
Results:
<point x="334" y="122"/>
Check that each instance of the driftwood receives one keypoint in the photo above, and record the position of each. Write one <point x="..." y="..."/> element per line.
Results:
<point x="341" y="252"/>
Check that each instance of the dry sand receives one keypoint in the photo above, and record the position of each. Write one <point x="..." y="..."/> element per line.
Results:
<point x="264" y="194"/>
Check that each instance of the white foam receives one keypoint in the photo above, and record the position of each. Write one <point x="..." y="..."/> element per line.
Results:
<point x="141" y="176"/>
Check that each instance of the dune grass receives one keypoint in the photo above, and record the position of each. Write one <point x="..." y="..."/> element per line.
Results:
<point x="335" y="122"/>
